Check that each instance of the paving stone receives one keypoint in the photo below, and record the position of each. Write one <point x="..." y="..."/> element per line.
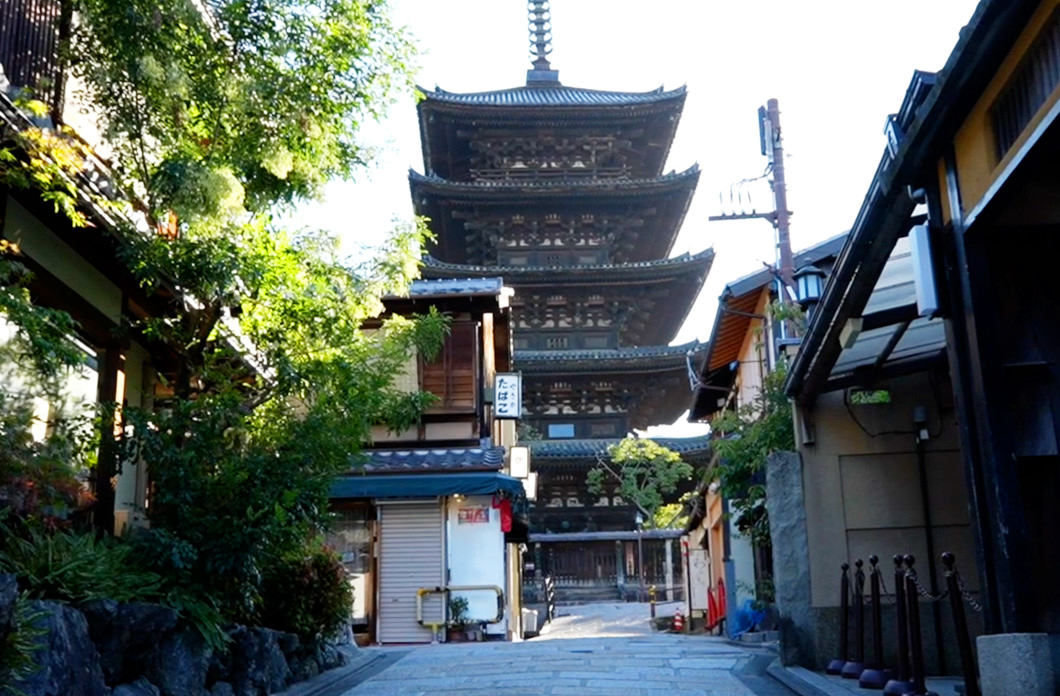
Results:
<point x="596" y="650"/>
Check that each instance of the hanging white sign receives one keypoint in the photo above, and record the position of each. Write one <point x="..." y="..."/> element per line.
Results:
<point x="508" y="399"/>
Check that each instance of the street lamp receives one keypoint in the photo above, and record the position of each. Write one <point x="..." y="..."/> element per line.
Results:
<point x="809" y="284"/>
<point x="639" y="521"/>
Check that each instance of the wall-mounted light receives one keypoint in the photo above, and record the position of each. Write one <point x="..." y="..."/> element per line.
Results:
<point x="519" y="462"/>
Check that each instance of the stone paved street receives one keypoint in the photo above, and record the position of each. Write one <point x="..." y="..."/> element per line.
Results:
<point x="590" y="650"/>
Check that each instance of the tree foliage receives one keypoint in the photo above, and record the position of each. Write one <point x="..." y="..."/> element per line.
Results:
<point x="219" y="117"/>
<point x="746" y="437"/>
<point x="646" y="474"/>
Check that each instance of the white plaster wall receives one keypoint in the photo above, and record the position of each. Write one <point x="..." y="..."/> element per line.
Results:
<point x="742" y="557"/>
<point x="476" y="557"/>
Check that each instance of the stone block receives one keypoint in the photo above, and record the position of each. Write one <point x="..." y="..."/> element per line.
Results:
<point x="1016" y="663"/>
<point x="791" y="562"/>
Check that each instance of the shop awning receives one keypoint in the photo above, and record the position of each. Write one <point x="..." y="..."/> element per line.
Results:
<point x="425" y="485"/>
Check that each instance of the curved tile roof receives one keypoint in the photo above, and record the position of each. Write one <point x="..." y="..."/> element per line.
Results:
<point x="608" y="355"/>
<point x="636" y="269"/>
<point x="564" y="449"/>
<point x="562" y="186"/>
<point x="404" y="461"/>
<point x="552" y="95"/>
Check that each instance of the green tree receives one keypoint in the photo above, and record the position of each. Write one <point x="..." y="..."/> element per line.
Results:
<point x="221" y="117"/>
<point x="746" y="436"/>
<point x="645" y="472"/>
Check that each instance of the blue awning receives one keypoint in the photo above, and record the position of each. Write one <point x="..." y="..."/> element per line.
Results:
<point x="425" y="485"/>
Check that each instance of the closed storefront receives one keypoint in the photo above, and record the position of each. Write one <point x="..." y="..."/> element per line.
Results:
<point x="411" y="556"/>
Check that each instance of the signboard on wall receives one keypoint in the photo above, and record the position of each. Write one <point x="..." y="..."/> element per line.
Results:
<point x="508" y="397"/>
<point x="479" y="514"/>
<point x="699" y="579"/>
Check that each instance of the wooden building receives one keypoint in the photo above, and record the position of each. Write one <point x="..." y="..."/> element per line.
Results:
<point x="562" y="192"/>
<point x="975" y="148"/>
<point x="424" y="508"/>
<point x="743" y="350"/>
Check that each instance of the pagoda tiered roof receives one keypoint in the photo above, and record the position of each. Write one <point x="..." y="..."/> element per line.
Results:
<point x="448" y="203"/>
<point x="653" y="298"/>
<point x="520" y="276"/>
<point x="625" y="360"/>
<point x="654" y="379"/>
<point x="647" y="119"/>
<point x="692" y="449"/>
<point x="554" y="95"/>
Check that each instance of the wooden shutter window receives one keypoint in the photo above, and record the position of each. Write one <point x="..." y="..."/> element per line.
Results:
<point x="451" y="376"/>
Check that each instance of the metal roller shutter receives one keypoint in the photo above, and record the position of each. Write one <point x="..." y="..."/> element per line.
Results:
<point x="411" y="556"/>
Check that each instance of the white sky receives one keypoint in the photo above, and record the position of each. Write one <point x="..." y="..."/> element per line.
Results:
<point x="837" y="67"/>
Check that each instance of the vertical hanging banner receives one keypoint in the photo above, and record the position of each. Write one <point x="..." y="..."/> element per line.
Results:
<point x="508" y="397"/>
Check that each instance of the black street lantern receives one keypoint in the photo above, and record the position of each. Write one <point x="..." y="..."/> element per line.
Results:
<point x="809" y="284"/>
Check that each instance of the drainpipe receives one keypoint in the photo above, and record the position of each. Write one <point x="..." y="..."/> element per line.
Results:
<point x="920" y="422"/>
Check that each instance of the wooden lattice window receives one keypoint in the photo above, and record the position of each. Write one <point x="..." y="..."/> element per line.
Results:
<point x="452" y="375"/>
<point x="1036" y="78"/>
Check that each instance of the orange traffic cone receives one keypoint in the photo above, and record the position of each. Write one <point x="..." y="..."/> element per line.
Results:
<point x="679" y="621"/>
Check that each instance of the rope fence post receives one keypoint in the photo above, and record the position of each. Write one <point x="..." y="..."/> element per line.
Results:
<point x="875" y="676"/>
<point x="836" y="665"/>
<point x="964" y="643"/>
<point x="900" y="684"/>
<point x="853" y="668"/>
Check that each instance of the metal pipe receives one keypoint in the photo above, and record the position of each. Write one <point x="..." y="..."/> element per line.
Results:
<point x="936" y="612"/>
<point x="446" y="589"/>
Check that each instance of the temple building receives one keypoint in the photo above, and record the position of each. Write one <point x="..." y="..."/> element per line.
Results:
<point x="562" y="192"/>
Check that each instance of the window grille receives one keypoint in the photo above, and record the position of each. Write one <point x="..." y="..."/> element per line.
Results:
<point x="1029" y="87"/>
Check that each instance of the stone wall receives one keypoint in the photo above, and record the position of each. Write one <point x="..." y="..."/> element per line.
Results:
<point x="137" y="649"/>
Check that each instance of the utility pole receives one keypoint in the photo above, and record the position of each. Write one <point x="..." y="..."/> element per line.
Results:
<point x="773" y="149"/>
<point x="780" y="192"/>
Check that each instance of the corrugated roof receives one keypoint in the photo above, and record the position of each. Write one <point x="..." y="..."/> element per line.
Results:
<point x="552" y="95"/>
<point x="894" y="288"/>
<point x="403" y="461"/>
<point x="564" y="449"/>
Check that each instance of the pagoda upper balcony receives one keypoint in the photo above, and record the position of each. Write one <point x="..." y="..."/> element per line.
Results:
<point x="642" y="386"/>
<point x="595" y="305"/>
<point x="618" y="220"/>
<point x="548" y="131"/>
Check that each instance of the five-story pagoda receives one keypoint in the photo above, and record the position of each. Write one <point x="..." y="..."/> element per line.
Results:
<point x="561" y="191"/>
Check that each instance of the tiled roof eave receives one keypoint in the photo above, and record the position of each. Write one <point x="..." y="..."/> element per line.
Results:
<point x="556" y="98"/>
<point x="674" y="181"/>
<point x="672" y="268"/>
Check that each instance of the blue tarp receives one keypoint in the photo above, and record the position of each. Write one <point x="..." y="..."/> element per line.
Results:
<point x="425" y="485"/>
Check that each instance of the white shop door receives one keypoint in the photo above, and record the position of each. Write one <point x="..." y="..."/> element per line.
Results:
<point x="411" y="556"/>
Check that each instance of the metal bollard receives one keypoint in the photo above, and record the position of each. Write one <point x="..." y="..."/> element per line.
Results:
<point x="651" y="598"/>
<point x="875" y="676"/>
<point x="836" y="665"/>
<point x="901" y="684"/>
<point x="964" y="643"/>
<point x="853" y="668"/>
<point x="916" y="645"/>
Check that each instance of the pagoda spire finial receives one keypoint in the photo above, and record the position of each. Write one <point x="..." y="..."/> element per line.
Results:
<point x="540" y="43"/>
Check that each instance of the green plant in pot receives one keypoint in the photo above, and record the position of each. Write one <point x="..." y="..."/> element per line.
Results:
<point x="458" y="619"/>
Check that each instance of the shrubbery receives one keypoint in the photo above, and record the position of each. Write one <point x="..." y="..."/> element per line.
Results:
<point x="308" y="594"/>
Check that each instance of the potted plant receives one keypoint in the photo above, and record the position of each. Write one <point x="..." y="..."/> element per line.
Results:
<point x="458" y="619"/>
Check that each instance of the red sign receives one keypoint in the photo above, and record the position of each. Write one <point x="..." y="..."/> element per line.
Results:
<point x="473" y="515"/>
